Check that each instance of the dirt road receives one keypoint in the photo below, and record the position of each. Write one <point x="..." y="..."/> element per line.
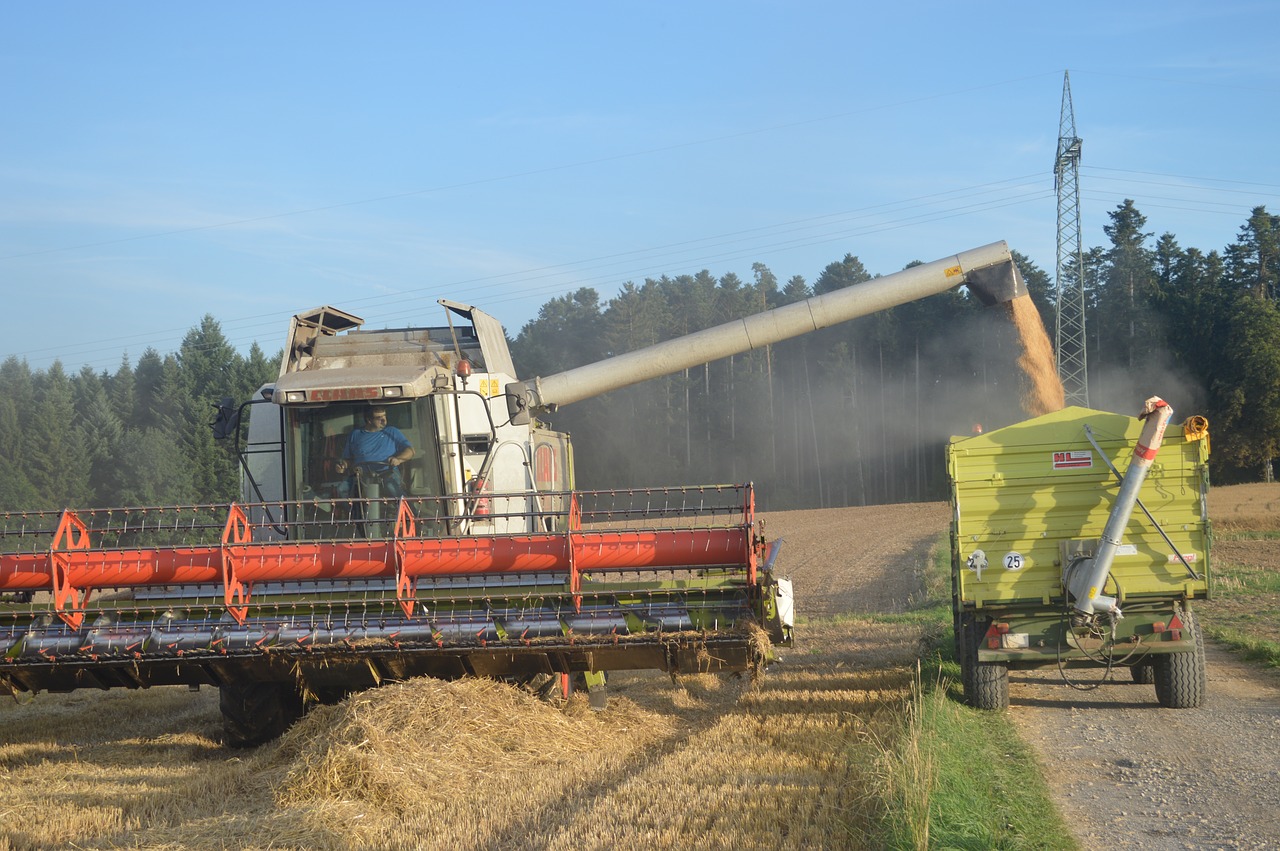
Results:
<point x="1128" y="774"/>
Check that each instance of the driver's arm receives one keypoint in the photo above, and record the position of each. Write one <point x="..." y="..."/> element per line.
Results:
<point x="347" y="461"/>
<point x="404" y="450"/>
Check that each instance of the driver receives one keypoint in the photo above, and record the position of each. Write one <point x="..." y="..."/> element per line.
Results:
<point x="379" y="448"/>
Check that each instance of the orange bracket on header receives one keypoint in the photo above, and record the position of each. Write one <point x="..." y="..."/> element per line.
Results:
<point x="235" y="592"/>
<point x="575" y="525"/>
<point x="72" y="536"/>
<point x="406" y="586"/>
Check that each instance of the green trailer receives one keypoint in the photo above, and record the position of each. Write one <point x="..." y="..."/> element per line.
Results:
<point x="1081" y="538"/>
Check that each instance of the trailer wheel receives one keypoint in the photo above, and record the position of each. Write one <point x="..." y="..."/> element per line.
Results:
<point x="254" y="712"/>
<point x="1143" y="672"/>
<point x="1180" y="678"/>
<point x="986" y="684"/>
<point x="991" y="686"/>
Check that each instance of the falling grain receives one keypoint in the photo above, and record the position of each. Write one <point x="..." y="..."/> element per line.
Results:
<point x="1042" y="391"/>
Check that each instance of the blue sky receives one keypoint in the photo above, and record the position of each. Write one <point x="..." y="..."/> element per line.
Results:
<point x="163" y="161"/>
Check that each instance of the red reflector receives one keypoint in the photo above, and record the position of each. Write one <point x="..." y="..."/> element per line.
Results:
<point x="1175" y="622"/>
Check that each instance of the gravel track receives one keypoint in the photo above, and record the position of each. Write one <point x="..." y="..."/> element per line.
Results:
<point x="1128" y="774"/>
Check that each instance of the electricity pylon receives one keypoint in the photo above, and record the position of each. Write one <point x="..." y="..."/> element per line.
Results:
<point x="1070" y="273"/>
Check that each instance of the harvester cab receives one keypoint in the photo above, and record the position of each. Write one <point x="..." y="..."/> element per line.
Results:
<point x="436" y="388"/>
<point x="404" y="513"/>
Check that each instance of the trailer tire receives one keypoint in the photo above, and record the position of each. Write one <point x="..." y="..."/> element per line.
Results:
<point x="254" y="713"/>
<point x="991" y="686"/>
<point x="986" y="684"/>
<point x="1180" y="678"/>
<point x="1143" y="672"/>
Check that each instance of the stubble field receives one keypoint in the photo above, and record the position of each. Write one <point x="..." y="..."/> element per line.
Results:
<point x="792" y="761"/>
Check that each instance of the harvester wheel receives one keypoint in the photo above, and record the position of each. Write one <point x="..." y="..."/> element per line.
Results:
<point x="1143" y="672"/>
<point x="254" y="713"/>
<point x="1180" y="678"/>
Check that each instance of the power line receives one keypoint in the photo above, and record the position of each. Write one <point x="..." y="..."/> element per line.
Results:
<point x="671" y="251"/>
<point x="619" y="267"/>
<point x="1182" y="176"/>
<point x="1210" y="189"/>
<point x="659" y="265"/>
<point x="1230" y="86"/>
<point x="663" y="265"/>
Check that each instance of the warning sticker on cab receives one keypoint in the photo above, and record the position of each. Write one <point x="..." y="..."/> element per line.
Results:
<point x="1073" y="459"/>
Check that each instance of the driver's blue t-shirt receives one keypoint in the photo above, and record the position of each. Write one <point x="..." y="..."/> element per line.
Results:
<point x="375" y="446"/>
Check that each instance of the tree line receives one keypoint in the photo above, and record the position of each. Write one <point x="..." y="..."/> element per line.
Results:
<point x="856" y="414"/>
<point x="137" y="436"/>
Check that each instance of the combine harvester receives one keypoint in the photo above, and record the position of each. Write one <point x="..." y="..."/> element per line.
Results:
<point x="473" y="557"/>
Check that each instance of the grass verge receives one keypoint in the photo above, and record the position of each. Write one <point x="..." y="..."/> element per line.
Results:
<point x="1244" y="613"/>
<point x="956" y="777"/>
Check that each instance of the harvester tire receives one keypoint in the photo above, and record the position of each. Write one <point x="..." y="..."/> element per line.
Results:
<point x="1143" y="673"/>
<point x="254" y="713"/>
<point x="1180" y="678"/>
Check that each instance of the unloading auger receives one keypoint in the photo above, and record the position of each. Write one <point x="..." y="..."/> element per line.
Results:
<point x="475" y="557"/>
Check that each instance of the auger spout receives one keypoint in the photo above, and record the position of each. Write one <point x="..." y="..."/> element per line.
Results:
<point x="988" y="271"/>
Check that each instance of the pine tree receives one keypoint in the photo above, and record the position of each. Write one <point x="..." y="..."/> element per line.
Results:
<point x="58" y="465"/>
<point x="1253" y="260"/>
<point x="17" y="402"/>
<point x="1128" y="298"/>
<point x="102" y="434"/>
<point x="120" y="389"/>
<point x="1247" y="390"/>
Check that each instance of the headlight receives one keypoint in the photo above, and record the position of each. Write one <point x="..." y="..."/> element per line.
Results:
<point x="392" y="392"/>
<point x="295" y="396"/>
